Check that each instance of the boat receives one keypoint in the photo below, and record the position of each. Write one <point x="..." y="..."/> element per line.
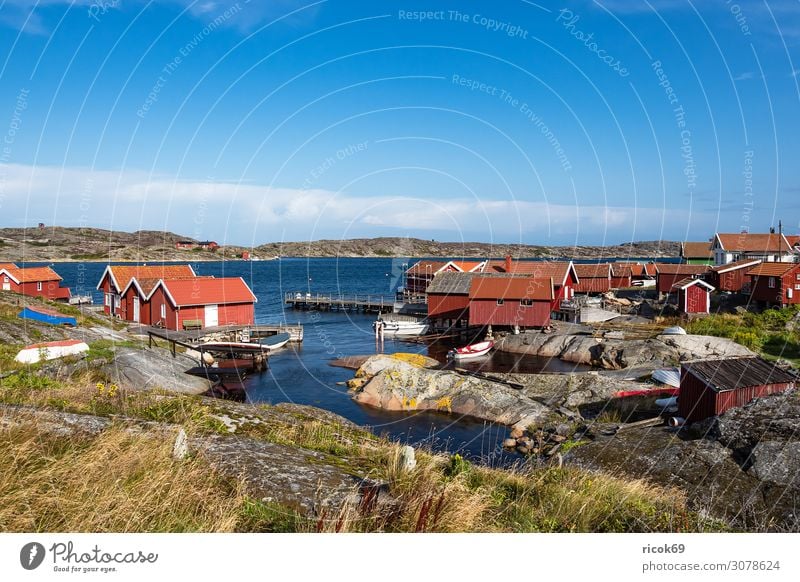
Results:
<point x="275" y="342"/>
<point x="36" y="353"/>
<point x="401" y="327"/>
<point x="675" y="330"/>
<point x="668" y="376"/>
<point x="471" y="351"/>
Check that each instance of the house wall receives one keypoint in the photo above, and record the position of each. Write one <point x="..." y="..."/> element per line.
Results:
<point x="694" y="299"/>
<point x="487" y="312"/>
<point x="665" y="282"/>
<point x="621" y="282"/>
<point x="593" y="285"/>
<point x="779" y="295"/>
<point x="448" y="306"/>
<point x="698" y="402"/>
<point x="154" y="308"/>
<point x="233" y="314"/>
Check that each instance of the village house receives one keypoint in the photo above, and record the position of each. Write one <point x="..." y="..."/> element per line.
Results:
<point x="116" y="278"/>
<point x="201" y="303"/>
<point x="448" y="299"/>
<point x="693" y="296"/>
<point x="563" y="273"/>
<point x="594" y="278"/>
<point x="133" y="304"/>
<point x="33" y="281"/>
<point x="775" y="284"/>
<point x="667" y="274"/>
<point x="208" y="245"/>
<point x="517" y="302"/>
<point x="731" y="278"/>
<point x="770" y="247"/>
<point x="710" y="387"/>
<point x="185" y="245"/>
<point x="421" y="273"/>
<point x="697" y="253"/>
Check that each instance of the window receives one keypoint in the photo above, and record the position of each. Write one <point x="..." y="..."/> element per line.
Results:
<point x="500" y="301"/>
<point x="771" y="283"/>
<point x="108" y="300"/>
<point x="38" y="285"/>
<point x="116" y="301"/>
<point x="5" y="279"/>
<point x="526" y="302"/>
<point x="163" y="311"/>
<point x="797" y="277"/>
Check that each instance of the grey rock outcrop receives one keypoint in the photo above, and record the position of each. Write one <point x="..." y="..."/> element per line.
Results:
<point x="140" y="369"/>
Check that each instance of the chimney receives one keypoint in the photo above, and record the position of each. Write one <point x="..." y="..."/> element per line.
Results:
<point x="508" y="264"/>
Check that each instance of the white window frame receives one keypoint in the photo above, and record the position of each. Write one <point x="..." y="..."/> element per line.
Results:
<point x="117" y="301"/>
<point x="107" y="299"/>
<point x="163" y="311"/>
<point x="523" y="303"/>
<point x="771" y="283"/>
<point x="38" y="285"/>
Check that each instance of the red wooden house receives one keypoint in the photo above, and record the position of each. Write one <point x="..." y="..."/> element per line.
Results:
<point x="185" y="245"/>
<point x="594" y="277"/>
<point x="421" y="273"/>
<point x="134" y="300"/>
<point x="448" y="297"/>
<point x="710" y="387"/>
<point x="206" y="302"/>
<point x="621" y="276"/>
<point x="732" y="277"/>
<point x="33" y="281"/>
<point x="510" y="301"/>
<point x="667" y="274"/>
<point x="116" y="278"/>
<point x="694" y="296"/>
<point x="775" y="283"/>
<point x="208" y="245"/>
<point x="563" y="273"/>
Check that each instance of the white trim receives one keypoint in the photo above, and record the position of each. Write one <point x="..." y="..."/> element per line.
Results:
<point x="9" y="275"/>
<point x="694" y="282"/>
<point x="727" y="268"/>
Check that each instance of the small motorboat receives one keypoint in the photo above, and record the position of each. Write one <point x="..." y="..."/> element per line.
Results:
<point x="471" y="351"/>
<point x="675" y="330"/>
<point x="275" y="342"/>
<point x="400" y="327"/>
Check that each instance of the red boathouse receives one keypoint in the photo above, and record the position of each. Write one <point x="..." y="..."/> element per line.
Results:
<point x="201" y="302"/>
<point x="510" y="301"/>
<point x="694" y="296"/>
<point x="33" y="281"/>
<point x="116" y="278"/>
<point x="594" y="278"/>
<point x="710" y="387"/>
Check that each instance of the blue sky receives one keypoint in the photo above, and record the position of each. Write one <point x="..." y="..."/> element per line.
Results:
<point x="550" y="123"/>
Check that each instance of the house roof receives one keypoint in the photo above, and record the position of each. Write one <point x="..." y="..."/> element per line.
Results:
<point x="742" y="264"/>
<point x="637" y="269"/>
<point x="557" y="270"/>
<point x="121" y="275"/>
<point x="754" y="243"/>
<point x="696" y="250"/>
<point x="206" y="291"/>
<point x="733" y="373"/>
<point x="680" y="269"/>
<point x="7" y="266"/>
<point x="772" y="269"/>
<point x="688" y="282"/>
<point x="30" y="274"/>
<point x="535" y="288"/>
<point x="426" y="267"/>
<point x="451" y="283"/>
<point x="793" y="239"/>
<point x="650" y="269"/>
<point x="466" y="266"/>
<point x="147" y="285"/>
<point x="621" y="270"/>
<point x="593" y="270"/>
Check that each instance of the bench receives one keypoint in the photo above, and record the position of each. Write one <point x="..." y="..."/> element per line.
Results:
<point x="193" y="324"/>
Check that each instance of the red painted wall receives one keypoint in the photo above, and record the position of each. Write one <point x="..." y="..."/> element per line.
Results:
<point x="698" y="402"/>
<point x="593" y="285"/>
<point x="487" y="312"/>
<point x="621" y="282"/>
<point x="50" y="290"/>
<point x="665" y="282"/>
<point x="448" y="306"/>
<point x="693" y="300"/>
<point x="731" y="281"/>
<point x="778" y="295"/>
<point x="154" y="307"/>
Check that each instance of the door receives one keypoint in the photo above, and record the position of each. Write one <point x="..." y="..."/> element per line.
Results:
<point x="212" y="315"/>
<point x="136" y="309"/>
<point x="6" y="283"/>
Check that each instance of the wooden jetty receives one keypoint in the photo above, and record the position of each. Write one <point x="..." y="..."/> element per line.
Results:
<point x="331" y="302"/>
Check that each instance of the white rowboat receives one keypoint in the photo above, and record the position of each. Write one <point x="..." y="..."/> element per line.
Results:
<point x="471" y="351"/>
<point x="399" y="327"/>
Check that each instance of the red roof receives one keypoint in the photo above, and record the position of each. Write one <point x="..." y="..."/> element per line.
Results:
<point x="794" y="239"/>
<point x="636" y="269"/>
<point x="593" y="270"/>
<point x="511" y="288"/>
<point x="426" y="267"/>
<point x="121" y="275"/>
<point x="688" y="282"/>
<point x="557" y="270"/>
<point x="148" y="285"/>
<point x="742" y="264"/>
<point x="650" y="269"/>
<point x="31" y="274"/>
<point x="680" y="269"/>
<point x="207" y="291"/>
<point x="754" y="243"/>
<point x="696" y="250"/>
<point x="772" y="269"/>
<point x="466" y="266"/>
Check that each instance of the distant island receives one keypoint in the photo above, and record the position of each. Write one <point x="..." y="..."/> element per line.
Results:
<point x="93" y="244"/>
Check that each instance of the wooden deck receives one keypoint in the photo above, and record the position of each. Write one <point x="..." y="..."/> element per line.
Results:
<point x="330" y="302"/>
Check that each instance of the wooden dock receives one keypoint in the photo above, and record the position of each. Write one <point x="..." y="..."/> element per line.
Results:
<point x="330" y="302"/>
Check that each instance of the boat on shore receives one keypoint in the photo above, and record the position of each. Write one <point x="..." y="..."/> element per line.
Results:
<point x="400" y="327"/>
<point x="471" y="351"/>
<point x="275" y="342"/>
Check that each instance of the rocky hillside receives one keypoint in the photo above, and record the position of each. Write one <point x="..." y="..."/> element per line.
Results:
<point x="93" y="244"/>
<point x="414" y="247"/>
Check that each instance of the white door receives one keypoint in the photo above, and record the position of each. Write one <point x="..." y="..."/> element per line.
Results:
<point x="136" y="309"/>
<point x="212" y="315"/>
<point x="6" y="283"/>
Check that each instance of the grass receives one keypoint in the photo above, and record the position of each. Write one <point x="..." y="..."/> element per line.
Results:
<point x="765" y="333"/>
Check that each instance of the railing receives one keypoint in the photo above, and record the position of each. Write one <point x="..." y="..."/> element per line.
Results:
<point x="299" y="297"/>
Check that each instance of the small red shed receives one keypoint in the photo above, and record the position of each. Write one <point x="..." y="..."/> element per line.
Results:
<point x="448" y="296"/>
<point x="710" y="387"/>
<point x="33" y="281"/>
<point x="621" y="276"/>
<point x="510" y="301"/>
<point x="594" y="278"/>
<point x="694" y="296"/>
<point x="209" y="301"/>
<point x="733" y="276"/>
<point x="667" y="274"/>
<point x="775" y="283"/>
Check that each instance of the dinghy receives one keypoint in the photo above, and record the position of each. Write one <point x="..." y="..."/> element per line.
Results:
<point x="400" y="327"/>
<point x="275" y="342"/>
<point x="471" y="351"/>
<point x="51" y="351"/>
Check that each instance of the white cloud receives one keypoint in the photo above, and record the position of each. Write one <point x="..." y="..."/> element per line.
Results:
<point x="252" y="214"/>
